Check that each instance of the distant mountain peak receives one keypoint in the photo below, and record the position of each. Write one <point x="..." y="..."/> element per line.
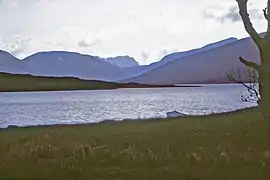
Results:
<point x="122" y="61"/>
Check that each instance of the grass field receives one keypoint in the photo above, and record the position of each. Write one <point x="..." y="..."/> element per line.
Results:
<point x="232" y="146"/>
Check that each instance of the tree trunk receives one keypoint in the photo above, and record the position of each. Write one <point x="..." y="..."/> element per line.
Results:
<point x="264" y="79"/>
<point x="263" y="44"/>
<point x="265" y="94"/>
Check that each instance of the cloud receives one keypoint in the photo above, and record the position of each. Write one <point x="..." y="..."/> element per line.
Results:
<point x="222" y="14"/>
<point x="117" y="27"/>
<point x="85" y="44"/>
<point x="256" y="14"/>
<point x="166" y="52"/>
<point x="233" y="14"/>
<point x="18" y="45"/>
<point x="145" y="56"/>
<point x="208" y="15"/>
<point x="230" y="14"/>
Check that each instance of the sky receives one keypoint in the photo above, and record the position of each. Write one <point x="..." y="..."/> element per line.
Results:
<point x="144" y="29"/>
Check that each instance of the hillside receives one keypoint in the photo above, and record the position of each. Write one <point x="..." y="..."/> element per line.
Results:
<point x="178" y="55"/>
<point x="68" y="64"/>
<point x="10" y="64"/>
<point x="71" y="64"/>
<point x="209" y="66"/>
<point x="11" y="82"/>
<point x="16" y="82"/>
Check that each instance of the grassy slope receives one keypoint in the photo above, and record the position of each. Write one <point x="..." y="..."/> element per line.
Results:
<point x="16" y="82"/>
<point x="229" y="146"/>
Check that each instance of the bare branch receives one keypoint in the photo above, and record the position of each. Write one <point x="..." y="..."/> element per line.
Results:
<point x="242" y="4"/>
<point x="265" y="13"/>
<point x="253" y="65"/>
<point x="249" y="81"/>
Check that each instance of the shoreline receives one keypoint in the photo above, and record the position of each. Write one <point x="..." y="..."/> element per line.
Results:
<point x="125" y="86"/>
<point x="129" y="120"/>
<point x="29" y="83"/>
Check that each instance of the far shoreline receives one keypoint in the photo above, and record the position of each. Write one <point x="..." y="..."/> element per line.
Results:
<point x="30" y="83"/>
<point x="125" y="86"/>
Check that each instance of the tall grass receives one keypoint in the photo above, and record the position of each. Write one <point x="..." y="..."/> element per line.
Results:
<point x="228" y="146"/>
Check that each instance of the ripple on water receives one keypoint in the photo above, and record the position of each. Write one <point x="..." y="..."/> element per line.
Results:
<point x="69" y="107"/>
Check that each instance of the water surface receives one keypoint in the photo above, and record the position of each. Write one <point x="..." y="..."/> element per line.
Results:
<point x="68" y="107"/>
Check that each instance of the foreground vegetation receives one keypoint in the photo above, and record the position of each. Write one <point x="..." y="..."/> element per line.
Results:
<point x="228" y="146"/>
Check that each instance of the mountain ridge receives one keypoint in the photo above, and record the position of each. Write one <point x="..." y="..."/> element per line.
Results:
<point x="229" y="54"/>
<point x="127" y="69"/>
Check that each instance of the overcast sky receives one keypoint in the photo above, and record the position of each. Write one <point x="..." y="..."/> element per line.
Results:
<point x="144" y="29"/>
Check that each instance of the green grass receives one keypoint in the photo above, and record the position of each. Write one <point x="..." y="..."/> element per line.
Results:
<point x="233" y="146"/>
<point x="19" y="82"/>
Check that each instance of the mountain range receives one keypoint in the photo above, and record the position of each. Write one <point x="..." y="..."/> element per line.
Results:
<point x="67" y="64"/>
<point x="208" y="64"/>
